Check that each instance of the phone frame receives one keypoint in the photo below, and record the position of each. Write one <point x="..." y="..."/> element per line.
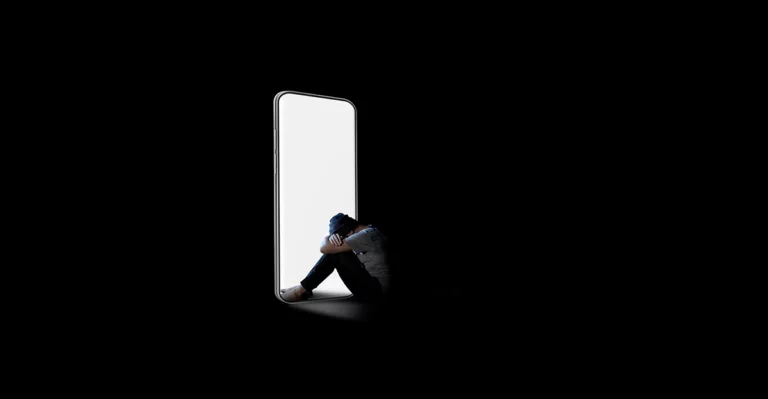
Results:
<point x="276" y="185"/>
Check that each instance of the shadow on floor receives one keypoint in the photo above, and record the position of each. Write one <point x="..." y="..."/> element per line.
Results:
<point x="349" y="309"/>
<point x="319" y="296"/>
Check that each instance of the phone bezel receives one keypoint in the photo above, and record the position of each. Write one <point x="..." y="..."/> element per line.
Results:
<point x="276" y="185"/>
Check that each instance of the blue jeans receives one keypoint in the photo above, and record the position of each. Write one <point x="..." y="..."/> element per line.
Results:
<point x="351" y="272"/>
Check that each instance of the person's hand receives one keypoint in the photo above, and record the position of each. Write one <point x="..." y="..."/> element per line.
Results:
<point x="336" y="240"/>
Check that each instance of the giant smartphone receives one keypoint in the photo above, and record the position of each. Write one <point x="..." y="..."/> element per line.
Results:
<point x="315" y="173"/>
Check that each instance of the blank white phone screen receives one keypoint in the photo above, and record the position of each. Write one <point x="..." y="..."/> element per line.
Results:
<point x="316" y="180"/>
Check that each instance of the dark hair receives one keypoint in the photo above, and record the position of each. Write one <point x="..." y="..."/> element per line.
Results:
<point x="341" y="224"/>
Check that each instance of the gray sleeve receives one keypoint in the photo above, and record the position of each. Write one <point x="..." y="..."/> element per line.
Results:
<point x="361" y="241"/>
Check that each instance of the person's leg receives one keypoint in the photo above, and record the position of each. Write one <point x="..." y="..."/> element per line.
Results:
<point x="356" y="278"/>
<point x="322" y="269"/>
<point x="351" y="272"/>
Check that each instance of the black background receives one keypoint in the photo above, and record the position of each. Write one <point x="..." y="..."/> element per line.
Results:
<point x="521" y="174"/>
<point x="490" y="183"/>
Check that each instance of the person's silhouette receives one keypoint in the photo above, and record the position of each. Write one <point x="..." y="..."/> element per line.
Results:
<point x="358" y="252"/>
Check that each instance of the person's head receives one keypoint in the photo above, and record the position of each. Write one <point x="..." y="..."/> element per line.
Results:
<point x="342" y="225"/>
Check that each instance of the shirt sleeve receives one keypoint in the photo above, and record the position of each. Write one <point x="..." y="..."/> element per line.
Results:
<point x="361" y="241"/>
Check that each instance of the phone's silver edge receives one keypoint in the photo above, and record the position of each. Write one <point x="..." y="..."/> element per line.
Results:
<point x="276" y="185"/>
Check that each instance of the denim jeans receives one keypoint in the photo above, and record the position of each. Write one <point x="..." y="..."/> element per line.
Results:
<point x="352" y="273"/>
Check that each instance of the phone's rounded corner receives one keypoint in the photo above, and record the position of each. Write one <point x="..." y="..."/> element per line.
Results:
<point x="354" y="107"/>
<point x="282" y="93"/>
<point x="280" y="298"/>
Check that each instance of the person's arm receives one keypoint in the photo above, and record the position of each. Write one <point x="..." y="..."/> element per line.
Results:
<point x="334" y="244"/>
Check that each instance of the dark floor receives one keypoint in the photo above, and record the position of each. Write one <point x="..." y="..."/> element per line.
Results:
<point x="348" y="309"/>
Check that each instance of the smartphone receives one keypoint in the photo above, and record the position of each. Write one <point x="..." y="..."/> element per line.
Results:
<point x="315" y="177"/>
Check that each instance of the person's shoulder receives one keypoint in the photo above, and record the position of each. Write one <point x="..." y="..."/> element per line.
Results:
<point x="374" y="233"/>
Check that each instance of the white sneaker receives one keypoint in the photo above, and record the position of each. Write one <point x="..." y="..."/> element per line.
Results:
<point x="295" y="293"/>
